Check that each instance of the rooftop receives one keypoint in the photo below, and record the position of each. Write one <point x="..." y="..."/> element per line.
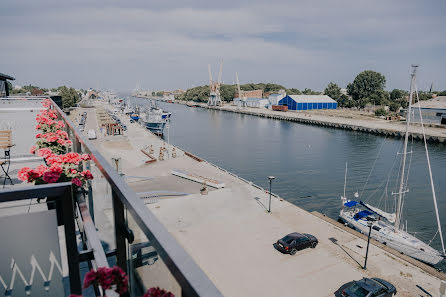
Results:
<point x="6" y="77"/>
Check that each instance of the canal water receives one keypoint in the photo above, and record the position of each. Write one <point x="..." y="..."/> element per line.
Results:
<point x="308" y="162"/>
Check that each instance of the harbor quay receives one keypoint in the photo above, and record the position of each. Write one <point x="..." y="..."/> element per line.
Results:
<point x="223" y="223"/>
<point x="341" y="119"/>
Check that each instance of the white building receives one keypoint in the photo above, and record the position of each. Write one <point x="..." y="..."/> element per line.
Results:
<point x="275" y="98"/>
<point x="252" y="102"/>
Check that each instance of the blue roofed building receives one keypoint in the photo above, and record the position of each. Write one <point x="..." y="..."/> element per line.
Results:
<point x="308" y="102"/>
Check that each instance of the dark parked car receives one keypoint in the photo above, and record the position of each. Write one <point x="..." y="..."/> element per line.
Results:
<point x="294" y="242"/>
<point x="369" y="287"/>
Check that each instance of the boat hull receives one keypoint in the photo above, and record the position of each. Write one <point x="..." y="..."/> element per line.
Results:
<point x="427" y="255"/>
<point x="156" y="128"/>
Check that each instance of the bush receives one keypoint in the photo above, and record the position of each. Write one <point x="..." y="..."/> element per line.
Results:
<point x="380" y="112"/>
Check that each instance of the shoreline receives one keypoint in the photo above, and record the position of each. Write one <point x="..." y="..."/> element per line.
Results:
<point x="435" y="133"/>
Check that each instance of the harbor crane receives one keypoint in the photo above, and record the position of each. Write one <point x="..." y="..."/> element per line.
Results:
<point x="214" y="94"/>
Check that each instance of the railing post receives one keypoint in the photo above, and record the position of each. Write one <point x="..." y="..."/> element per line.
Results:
<point x="118" y="213"/>
<point x="90" y="194"/>
<point x="71" y="242"/>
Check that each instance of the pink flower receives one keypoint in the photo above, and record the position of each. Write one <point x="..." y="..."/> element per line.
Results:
<point x="106" y="278"/>
<point x="52" y="174"/>
<point x="85" y="157"/>
<point x="23" y="173"/>
<point x="32" y="150"/>
<point x="44" y="152"/>
<point x="77" y="182"/>
<point x="87" y="174"/>
<point x="27" y="174"/>
<point x="40" y="170"/>
<point x="157" y="292"/>
<point x="46" y="103"/>
<point x="39" y="135"/>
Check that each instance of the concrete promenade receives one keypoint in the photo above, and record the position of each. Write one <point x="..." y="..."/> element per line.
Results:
<point x="230" y="234"/>
<point x="342" y="119"/>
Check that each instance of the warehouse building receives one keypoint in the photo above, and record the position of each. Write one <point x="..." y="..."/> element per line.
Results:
<point x="251" y="102"/>
<point x="308" y="102"/>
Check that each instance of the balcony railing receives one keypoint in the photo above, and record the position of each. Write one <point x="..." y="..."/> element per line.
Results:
<point x="129" y="213"/>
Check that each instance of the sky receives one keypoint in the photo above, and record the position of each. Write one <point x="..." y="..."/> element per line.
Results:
<point x="168" y="44"/>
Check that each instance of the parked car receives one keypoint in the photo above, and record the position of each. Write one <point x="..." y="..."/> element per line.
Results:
<point x="369" y="287"/>
<point x="91" y="134"/>
<point x="294" y="242"/>
<point x="81" y="127"/>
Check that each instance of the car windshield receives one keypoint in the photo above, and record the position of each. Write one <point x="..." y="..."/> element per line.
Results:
<point x="358" y="290"/>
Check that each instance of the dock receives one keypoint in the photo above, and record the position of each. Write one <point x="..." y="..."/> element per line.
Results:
<point x="229" y="232"/>
<point x="435" y="133"/>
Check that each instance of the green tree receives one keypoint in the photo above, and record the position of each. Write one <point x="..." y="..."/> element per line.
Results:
<point x="69" y="96"/>
<point x="333" y="90"/>
<point x="153" y="94"/>
<point x="380" y="112"/>
<point x="293" y="91"/>
<point x="396" y="94"/>
<point x="368" y="85"/>
<point x="227" y="92"/>
<point x="307" y="91"/>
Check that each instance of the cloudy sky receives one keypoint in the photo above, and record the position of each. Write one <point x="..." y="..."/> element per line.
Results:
<point x="164" y="44"/>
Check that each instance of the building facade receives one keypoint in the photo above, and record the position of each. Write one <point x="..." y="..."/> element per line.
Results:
<point x="308" y="102"/>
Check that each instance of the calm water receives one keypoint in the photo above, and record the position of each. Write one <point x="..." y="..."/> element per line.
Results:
<point x="309" y="162"/>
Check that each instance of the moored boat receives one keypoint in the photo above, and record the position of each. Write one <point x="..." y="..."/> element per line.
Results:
<point x="388" y="228"/>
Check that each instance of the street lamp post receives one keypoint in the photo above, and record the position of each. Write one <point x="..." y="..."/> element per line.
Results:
<point x="370" y="224"/>
<point x="270" y="181"/>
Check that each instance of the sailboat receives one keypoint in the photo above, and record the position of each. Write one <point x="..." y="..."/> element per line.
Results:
<point x="386" y="227"/>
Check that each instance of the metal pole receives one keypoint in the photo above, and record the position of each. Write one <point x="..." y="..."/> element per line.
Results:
<point x="71" y="243"/>
<point x="269" y="208"/>
<point x="119" y="220"/>
<point x="368" y="243"/>
<point x="168" y="142"/>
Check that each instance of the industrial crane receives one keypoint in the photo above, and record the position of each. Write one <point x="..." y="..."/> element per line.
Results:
<point x="214" y="86"/>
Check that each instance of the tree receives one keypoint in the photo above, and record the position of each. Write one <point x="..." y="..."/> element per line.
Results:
<point x="153" y="94"/>
<point x="333" y="90"/>
<point x="368" y="85"/>
<point x="69" y="96"/>
<point x="293" y="91"/>
<point x="307" y="91"/>
<point x="227" y="92"/>
<point x="380" y="112"/>
<point x="396" y="94"/>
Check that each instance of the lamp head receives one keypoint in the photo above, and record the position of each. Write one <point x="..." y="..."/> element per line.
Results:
<point x="271" y="177"/>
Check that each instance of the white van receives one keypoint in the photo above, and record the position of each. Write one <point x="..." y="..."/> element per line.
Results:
<point x="91" y="134"/>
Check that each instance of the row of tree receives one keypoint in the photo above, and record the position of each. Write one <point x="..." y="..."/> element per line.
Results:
<point x="227" y="92"/>
<point x="369" y="88"/>
<point x="69" y="95"/>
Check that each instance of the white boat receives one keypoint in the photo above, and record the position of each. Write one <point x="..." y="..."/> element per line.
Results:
<point x="155" y="119"/>
<point x="385" y="227"/>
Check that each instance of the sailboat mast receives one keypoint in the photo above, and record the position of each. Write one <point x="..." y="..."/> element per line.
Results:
<point x="403" y="163"/>
<point x="345" y="178"/>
